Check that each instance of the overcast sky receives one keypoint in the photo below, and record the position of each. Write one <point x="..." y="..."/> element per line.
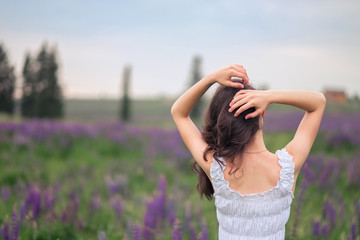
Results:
<point x="309" y="44"/>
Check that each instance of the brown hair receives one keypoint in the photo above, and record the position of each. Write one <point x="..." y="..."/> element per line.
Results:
<point x="226" y="135"/>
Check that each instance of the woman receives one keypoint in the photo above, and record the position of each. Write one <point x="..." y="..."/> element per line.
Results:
<point x="253" y="188"/>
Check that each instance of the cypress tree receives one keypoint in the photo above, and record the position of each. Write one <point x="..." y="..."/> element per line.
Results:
<point x="49" y="98"/>
<point x="42" y="95"/>
<point x="125" y="111"/>
<point x="7" y="84"/>
<point x="29" y="93"/>
<point x="195" y="76"/>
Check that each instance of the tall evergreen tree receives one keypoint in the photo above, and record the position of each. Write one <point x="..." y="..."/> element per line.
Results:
<point x="42" y="95"/>
<point x="125" y="110"/>
<point x="195" y="76"/>
<point x="29" y="93"/>
<point x="7" y="84"/>
<point x="49" y="99"/>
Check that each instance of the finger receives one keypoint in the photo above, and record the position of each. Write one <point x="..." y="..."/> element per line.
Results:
<point x="243" y="108"/>
<point x="234" y="106"/>
<point x="239" y="74"/>
<point x="247" y="78"/>
<point x="234" y="84"/>
<point x="243" y="70"/>
<point x="237" y="99"/>
<point x="242" y="91"/>
<point x="253" y="114"/>
<point x="238" y="104"/>
<point x="237" y="66"/>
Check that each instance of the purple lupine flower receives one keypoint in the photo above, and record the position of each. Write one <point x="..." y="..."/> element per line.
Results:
<point x="343" y="122"/>
<point x="69" y="214"/>
<point x="14" y="225"/>
<point x="151" y="151"/>
<point x="308" y="176"/>
<point x="204" y="232"/>
<point x="74" y="200"/>
<point x="316" y="229"/>
<point x="150" y="220"/>
<point x="21" y="140"/>
<point x="5" y="193"/>
<point x="102" y="235"/>
<point x="171" y="212"/>
<point x="64" y="216"/>
<point x="325" y="230"/>
<point x="329" y="212"/>
<point x="282" y="121"/>
<point x="5" y="230"/>
<point x="192" y="233"/>
<point x="342" y="211"/>
<point x="115" y="183"/>
<point x="95" y="201"/>
<point x="136" y="232"/>
<point x="324" y="175"/>
<point x="353" y="171"/>
<point x="162" y="185"/>
<point x="357" y="207"/>
<point x="49" y="199"/>
<point x="22" y="211"/>
<point x="155" y="210"/>
<point x="353" y="231"/>
<point x="116" y="205"/>
<point x="33" y="202"/>
<point x="188" y="218"/>
<point x="188" y="226"/>
<point x="162" y="196"/>
<point x="177" y="233"/>
<point x="330" y="173"/>
<point x="115" y="132"/>
<point x="128" y="227"/>
<point x="80" y="225"/>
<point x="159" y="202"/>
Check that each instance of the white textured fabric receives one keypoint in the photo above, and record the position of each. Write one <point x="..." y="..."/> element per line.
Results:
<point x="254" y="216"/>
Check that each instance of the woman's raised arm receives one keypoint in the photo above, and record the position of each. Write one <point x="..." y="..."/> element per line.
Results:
<point x="312" y="102"/>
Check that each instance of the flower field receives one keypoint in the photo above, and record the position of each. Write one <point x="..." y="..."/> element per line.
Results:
<point x="62" y="180"/>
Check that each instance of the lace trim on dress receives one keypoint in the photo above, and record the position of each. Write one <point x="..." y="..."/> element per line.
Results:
<point x="286" y="176"/>
<point x="287" y="171"/>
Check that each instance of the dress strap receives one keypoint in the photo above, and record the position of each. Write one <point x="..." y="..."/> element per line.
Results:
<point x="287" y="169"/>
<point x="216" y="173"/>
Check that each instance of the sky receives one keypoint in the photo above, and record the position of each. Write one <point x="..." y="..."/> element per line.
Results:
<point x="301" y="45"/>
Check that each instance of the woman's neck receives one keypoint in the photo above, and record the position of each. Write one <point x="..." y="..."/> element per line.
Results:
<point x="257" y="144"/>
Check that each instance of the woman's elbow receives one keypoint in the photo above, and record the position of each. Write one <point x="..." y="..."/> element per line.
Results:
<point x="322" y="100"/>
<point x="174" y="111"/>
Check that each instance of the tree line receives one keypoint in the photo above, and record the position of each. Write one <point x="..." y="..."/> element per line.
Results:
<point x="42" y="95"/>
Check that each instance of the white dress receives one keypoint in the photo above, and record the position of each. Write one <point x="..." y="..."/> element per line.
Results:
<point x="254" y="216"/>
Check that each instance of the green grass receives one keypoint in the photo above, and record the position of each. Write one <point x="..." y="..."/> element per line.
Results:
<point x="83" y="166"/>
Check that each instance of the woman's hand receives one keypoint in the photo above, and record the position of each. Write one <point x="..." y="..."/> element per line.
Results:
<point x="223" y="76"/>
<point x="245" y="99"/>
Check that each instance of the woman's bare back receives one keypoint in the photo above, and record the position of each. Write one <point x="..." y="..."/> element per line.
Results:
<point x="258" y="173"/>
